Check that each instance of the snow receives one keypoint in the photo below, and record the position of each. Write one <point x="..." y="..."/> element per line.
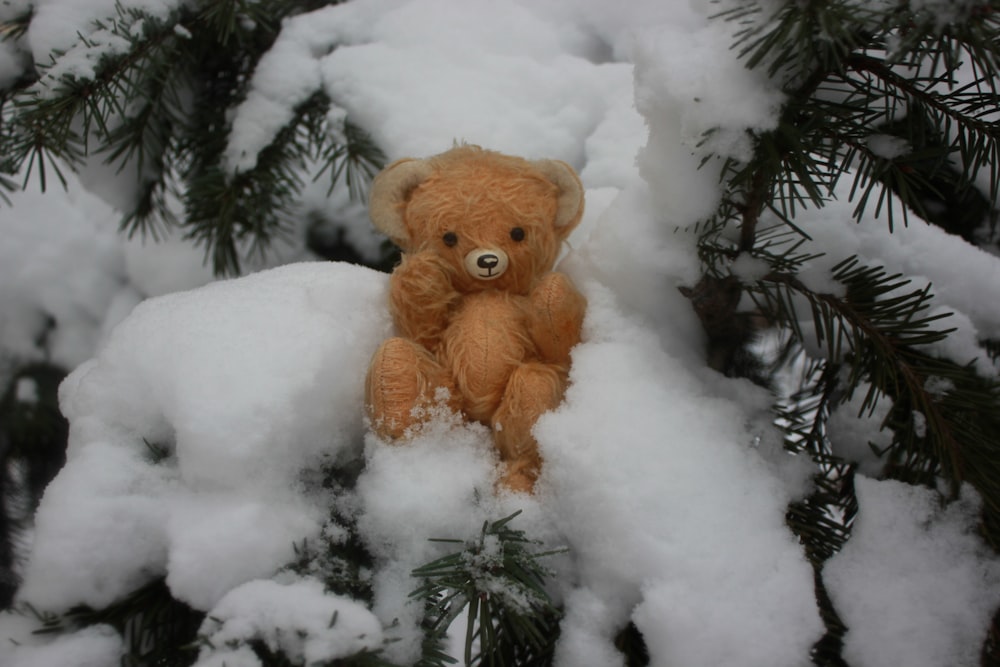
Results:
<point x="97" y="646"/>
<point x="222" y="380"/>
<point x="625" y="460"/>
<point x="936" y="582"/>
<point x="887" y="146"/>
<point x="964" y="279"/>
<point x="56" y="26"/>
<point x="60" y="263"/>
<point x="201" y="411"/>
<point x="315" y="627"/>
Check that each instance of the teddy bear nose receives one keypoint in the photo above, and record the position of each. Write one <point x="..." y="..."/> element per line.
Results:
<point x="486" y="263"/>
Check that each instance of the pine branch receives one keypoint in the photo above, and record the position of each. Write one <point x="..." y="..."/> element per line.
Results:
<point x="339" y="557"/>
<point x="839" y="48"/>
<point x="156" y="628"/>
<point x="500" y="586"/>
<point x="46" y="116"/>
<point x="946" y="415"/>
<point x="158" y="103"/>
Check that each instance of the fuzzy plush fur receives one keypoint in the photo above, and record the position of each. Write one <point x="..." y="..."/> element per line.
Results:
<point x="498" y="343"/>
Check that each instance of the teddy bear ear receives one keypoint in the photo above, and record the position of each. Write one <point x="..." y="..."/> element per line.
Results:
<point x="570" y="209"/>
<point x="388" y="195"/>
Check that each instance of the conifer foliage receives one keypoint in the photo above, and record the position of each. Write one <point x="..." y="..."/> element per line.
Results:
<point x="884" y="101"/>
<point x="151" y="96"/>
<point x="889" y="101"/>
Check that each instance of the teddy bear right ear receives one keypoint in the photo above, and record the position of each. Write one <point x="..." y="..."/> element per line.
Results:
<point x="389" y="193"/>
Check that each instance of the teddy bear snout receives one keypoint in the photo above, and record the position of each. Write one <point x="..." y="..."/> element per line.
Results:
<point x="486" y="263"/>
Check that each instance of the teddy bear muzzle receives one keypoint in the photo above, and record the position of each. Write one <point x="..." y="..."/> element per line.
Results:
<point x="486" y="263"/>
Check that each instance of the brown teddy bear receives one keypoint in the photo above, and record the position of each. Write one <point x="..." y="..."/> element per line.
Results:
<point x="477" y="307"/>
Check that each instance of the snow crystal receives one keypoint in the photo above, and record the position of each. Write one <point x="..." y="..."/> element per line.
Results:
<point x="915" y="585"/>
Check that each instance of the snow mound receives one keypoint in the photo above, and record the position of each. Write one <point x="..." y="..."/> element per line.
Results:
<point x="915" y="584"/>
<point x="190" y="429"/>
<point x="315" y="627"/>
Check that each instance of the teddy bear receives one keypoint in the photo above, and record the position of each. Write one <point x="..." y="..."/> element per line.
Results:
<point x="485" y="326"/>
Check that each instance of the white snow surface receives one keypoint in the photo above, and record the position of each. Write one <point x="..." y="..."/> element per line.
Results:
<point x="937" y="585"/>
<point x="241" y="392"/>
<point x="315" y="628"/>
<point x="96" y="646"/>
<point x="198" y="422"/>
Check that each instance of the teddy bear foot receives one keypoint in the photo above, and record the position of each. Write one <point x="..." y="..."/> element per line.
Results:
<point x="519" y="478"/>
<point x="402" y="383"/>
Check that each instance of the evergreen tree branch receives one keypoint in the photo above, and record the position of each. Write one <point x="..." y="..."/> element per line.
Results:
<point x="946" y="413"/>
<point x="499" y="584"/>
<point x="156" y="628"/>
<point x="158" y="103"/>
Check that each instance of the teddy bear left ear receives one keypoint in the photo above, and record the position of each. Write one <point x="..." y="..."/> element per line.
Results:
<point x="388" y="195"/>
<point x="570" y="209"/>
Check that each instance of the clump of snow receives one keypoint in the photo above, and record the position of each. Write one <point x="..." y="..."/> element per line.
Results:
<point x="439" y="485"/>
<point x="372" y="62"/>
<point x="240" y="386"/>
<point x="57" y="25"/>
<point x="887" y="146"/>
<point x="696" y="73"/>
<point x="298" y="620"/>
<point x="644" y="472"/>
<point x="60" y="268"/>
<point x="964" y="279"/>
<point x="915" y="585"/>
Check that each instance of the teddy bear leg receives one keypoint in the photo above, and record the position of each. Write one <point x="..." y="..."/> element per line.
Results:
<point x="532" y="390"/>
<point x="558" y="311"/>
<point x="403" y="378"/>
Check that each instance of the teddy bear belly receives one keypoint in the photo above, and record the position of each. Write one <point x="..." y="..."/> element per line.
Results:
<point x="482" y="346"/>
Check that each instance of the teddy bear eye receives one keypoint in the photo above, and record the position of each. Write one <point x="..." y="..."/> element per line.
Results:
<point x="450" y="239"/>
<point x="517" y="234"/>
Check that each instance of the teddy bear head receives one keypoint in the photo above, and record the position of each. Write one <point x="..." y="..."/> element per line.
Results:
<point x="498" y="221"/>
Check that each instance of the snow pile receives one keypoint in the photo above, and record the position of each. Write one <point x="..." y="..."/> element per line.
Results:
<point x="653" y="479"/>
<point x="315" y="628"/>
<point x="190" y="429"/>
<point x="493" y="74"/>
<point x="196" y="430"/>
<point x="937" y="583"/>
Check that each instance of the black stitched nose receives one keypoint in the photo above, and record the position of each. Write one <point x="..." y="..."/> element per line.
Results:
<point x="487" y="261"/>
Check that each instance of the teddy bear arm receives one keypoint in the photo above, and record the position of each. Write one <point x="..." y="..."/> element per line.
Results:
<point x="422" y="297"/>
<point x="557" y="317"/>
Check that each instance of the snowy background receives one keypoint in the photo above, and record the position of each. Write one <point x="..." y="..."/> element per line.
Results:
<point x="666" y="481"/>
